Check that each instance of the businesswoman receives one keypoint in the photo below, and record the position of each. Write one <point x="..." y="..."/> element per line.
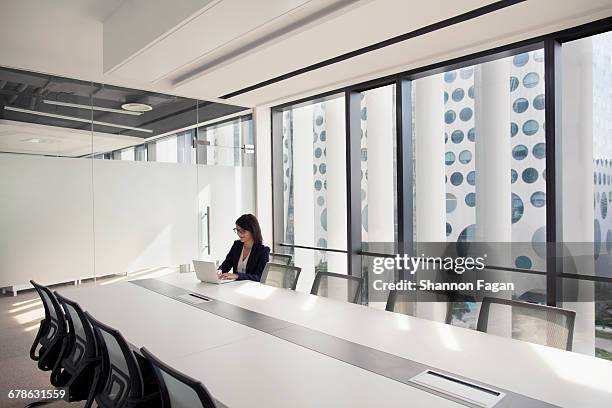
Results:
<point x="248" y="255"/>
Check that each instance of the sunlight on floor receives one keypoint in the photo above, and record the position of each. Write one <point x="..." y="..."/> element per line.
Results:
<point x="32" y="327"/>
<point x="25" y="307"/>
<point x="23" y="302"/>
<point x="32" y="315"/>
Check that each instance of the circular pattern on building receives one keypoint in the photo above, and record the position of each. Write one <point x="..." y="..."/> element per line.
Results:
<point x="530" y="175"/>
<point x="513" y="129"/>
<point x="466" y="114"/>
<point x="523" y="262"/>
<point x="450" y="116"/>
<point x="458" y="94"/>
<point x="520" y="105"/>
<point x="538" y="199"/>
<point x="530" y="127"/>
<point x="539" y="150"/>
<point x="517" y="208"/>
<point x="470" y="199"/>
<point x="456" y="178"/>
<point x="457" y="136"/>
<point x="465" y="157"/>
<point x="471" y="178"/>
<point x="531" y="80"/>
<point x="451" y="203"/>
<point x="520" y="60"/>
<point x="514" y="83"/>
<point x="519" y="152"/>
<point x="538" y="102"/>
<point x="449" y="158"/>
<point x="450" y="76"/>
<point x="471" y="135"/>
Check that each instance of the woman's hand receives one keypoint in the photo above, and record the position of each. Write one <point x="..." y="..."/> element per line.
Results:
<point x="228" y="276"/>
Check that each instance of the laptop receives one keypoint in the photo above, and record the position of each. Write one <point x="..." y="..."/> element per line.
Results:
<point x="206" y="271"/>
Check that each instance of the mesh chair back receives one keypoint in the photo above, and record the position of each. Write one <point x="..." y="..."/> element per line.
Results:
<point x="121" y="379"/>
<point x="337" y="286"/>
<point x="77" y="367"/>
<point x="177" y="389"/>
<point x="280" y="275"/>
<point x="280" y="258"/>
<point x="52" y="330"/>
<point x="535" y="323"/>
<point x="403" y="301"/>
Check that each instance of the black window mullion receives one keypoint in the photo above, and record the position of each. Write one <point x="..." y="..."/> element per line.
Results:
<point x="353" y="182"/>
<point x="554" y="203"/>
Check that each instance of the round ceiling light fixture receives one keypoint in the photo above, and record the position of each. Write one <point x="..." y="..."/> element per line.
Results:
<point x="136" y="107"/>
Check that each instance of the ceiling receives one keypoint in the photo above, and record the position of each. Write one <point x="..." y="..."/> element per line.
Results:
<point x="45" y="114"/>
<point x="209" y="48"/>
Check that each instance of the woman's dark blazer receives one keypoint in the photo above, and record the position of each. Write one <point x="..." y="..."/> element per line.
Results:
<point x="260" y="254"/>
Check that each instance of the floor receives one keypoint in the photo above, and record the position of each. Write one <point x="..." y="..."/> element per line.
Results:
<point x="19" y="320"/>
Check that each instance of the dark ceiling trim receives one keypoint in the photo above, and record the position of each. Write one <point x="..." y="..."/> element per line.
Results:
<point x="490" y="8"/>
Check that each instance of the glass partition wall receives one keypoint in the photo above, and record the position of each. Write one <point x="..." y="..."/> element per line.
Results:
<point x="496" y="148"/>
<point x="100" y="181"/>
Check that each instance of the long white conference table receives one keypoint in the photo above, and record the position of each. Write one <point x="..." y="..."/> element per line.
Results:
<point x="256" y="345"/>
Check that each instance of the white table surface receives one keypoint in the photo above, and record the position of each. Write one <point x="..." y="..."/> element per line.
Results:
<point x="240" y="366"/>
<point x="556" y="376"/>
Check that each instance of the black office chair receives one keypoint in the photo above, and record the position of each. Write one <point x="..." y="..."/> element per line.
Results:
<point x="337" y="286"/>
<point x="535" y="323"/>
<point x="404" y="301"/>
<point x="280" y="275"/>
<point x="76" y="369"/>
<point x="119" y="381"/>
<point x="280" y="258"/>
<point x="177" y="389"/>
<point x="51" y="332"/>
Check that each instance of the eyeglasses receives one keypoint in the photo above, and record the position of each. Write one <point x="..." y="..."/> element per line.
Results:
<point x="239" y="231"/>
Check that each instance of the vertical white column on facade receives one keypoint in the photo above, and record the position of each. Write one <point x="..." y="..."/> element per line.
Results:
<point x="380" y="135"/>
<point x="577" y="188"/>
<point x="303" y="197"/>
<point x="493" y="152"/>
<point x="380" y="129"/>
<point x="262" y="127"/>
<point x="430" y="197"/>
<point x="492" y="107"/>
<point x="336" y="182"/>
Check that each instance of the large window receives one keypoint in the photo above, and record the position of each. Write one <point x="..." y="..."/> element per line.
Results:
<point x="499" y="149"/>
<point x="313" y="201"/>
<point x="587" y="165"/>
<point x="314" y="183"/>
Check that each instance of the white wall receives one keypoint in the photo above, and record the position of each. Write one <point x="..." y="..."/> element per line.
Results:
<point x="46" y="220"/>
<point x="145" y="215"/>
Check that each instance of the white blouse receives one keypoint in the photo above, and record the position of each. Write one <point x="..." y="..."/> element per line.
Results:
<point x="242" y="263"/>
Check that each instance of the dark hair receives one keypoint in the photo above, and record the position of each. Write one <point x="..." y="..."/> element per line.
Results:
<point x="249" y="223"/>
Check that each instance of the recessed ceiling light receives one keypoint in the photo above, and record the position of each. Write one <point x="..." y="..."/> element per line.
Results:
<point x="32" y="140"/>
<point x="136" y="107"/>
